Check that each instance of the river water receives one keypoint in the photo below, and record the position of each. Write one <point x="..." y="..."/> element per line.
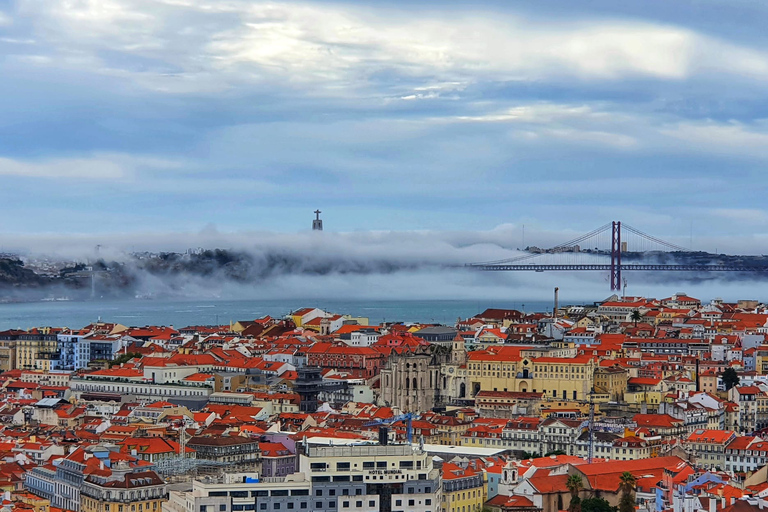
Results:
<point x="180" y="313"/>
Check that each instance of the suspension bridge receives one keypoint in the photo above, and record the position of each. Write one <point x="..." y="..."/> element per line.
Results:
<point x="616" y="248"/>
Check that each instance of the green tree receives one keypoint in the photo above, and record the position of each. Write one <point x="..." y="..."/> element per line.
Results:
<point x="596" y="505"/>
<point x="636" y="316"/>
<point x="555" y="452"/>
<point x="574" y="486"/>
<point x="627" y="484"/>
<point x="730" y="378"/>
<point x="123" y="358"/>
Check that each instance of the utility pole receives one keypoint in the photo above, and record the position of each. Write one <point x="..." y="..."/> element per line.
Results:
<point x="591" y="425"/>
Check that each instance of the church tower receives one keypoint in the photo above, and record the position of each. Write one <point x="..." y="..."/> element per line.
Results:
<point x="458" y="351"/>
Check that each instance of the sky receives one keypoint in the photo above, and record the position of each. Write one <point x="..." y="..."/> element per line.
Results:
<point x="128" y="118"/>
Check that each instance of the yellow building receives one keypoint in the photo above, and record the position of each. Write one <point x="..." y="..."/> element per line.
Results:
<point x="36" y="503"/>
<point x="7" y="354"/>
<point x="464" y="489"/>
<point x="135" y="492"/>
<point x="504" y="369"/>
<point x="36" y="349"/>
<point x="611" y="380"/>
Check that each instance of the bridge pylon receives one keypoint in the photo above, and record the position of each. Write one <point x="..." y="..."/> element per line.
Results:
<point x="615" y="256"/>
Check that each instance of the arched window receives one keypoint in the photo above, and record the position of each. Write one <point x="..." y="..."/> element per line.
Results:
<point x="414" y="383"/>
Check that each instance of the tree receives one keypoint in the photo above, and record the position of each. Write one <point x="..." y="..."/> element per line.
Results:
<point x="574" y="486"/>
<point x="596" y="505"/>
<point x="555" y="452"/>
<point x="627" y="482"/>
<point x="123" y="358"/>
<point x="636" y="316"/>
<point x="730" y="378"/>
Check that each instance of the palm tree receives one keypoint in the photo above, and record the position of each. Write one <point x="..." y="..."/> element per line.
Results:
<point x="627" y="482"/>
<point x="636" y="316"/>
<point x="574" y="486"/>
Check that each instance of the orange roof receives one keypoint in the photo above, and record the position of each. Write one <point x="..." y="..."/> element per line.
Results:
<point x="711" y="436"/>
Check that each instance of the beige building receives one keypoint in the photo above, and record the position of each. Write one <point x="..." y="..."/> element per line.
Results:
<point x="8" y="350"/>
<point x="36" y="350"/>
<point x="612" y="381"/>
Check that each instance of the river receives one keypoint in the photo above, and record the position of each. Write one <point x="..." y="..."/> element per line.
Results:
<point x="180" y="313"/>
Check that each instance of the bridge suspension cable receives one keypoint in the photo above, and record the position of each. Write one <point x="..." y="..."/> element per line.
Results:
<point x="653" y="238"/>
<point x="569" y="243"/>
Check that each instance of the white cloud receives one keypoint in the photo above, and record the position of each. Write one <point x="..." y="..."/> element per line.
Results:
<point x="733" y="138"/>
<point x="98" y="167"/>
<point x="5" y="20"/>
<point x="338" y="48"/>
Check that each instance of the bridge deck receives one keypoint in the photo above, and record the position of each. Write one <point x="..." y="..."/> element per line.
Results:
<point x="607" y="267"/>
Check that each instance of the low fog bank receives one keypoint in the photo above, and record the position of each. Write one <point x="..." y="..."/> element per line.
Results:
<point x="364" y="266"/>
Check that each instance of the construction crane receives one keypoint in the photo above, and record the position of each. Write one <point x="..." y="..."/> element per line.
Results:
<point x="407" y="417"/>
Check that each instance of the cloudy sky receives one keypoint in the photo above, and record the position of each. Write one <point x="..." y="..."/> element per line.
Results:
<point x="139" y="116"/>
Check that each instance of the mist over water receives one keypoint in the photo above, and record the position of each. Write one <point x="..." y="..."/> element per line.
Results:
<point x="275" y="273"/>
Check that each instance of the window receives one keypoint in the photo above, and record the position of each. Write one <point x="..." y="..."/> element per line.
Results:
<point x="222" y="508"/>
<point x="344" y="504"/>
<point x="427" y="502"/>
<point x="411" y="503"/>
<point x="331" y="504"/>
<point x="303" y="504"/>
<point x="342" y="466"/>
<point x="398" y="503"/>
<point x="368" y="465"/>
<point x="262" y="506"/>
<point x="318" y="492"/>
<point x="290" y="505"/>
<point x="331" y="492"/>
<point x="371" y="503"/>
<point x="277" y="506"/>
<point x="318" y="504"/>
<point x="381" y="464"/>
<point x="358" y="504"/>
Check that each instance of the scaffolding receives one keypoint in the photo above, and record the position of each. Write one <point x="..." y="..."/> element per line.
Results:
<point x="182" y="468"/>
